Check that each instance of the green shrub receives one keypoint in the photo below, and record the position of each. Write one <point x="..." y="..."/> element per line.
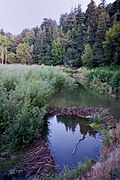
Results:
<point x="108" y="75"/>
<point x="115" y="81"/>
<point x="24" y="96"/>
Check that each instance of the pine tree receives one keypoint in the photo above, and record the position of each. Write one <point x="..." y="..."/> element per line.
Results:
<point x="98" y="50"/>
<point x="79" y="16"/>
<point x="91" y="22"/>
<point x="87" y="56"/>
<point x="69" y="22"/>
<point x="57" y="51"/>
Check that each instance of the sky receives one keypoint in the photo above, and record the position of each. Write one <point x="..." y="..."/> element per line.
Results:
<point x="16" y="15"/>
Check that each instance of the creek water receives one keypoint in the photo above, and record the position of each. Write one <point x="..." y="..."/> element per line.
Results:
<point x="72" y="140"/>
<point x="84" y="96"/>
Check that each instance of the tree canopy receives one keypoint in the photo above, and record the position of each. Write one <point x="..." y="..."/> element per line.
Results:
<point x="90" y="38"/>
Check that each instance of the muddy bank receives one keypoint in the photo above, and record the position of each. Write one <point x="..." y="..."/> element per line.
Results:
<point x="38" y="160"/>
<point x="107" y="119"/>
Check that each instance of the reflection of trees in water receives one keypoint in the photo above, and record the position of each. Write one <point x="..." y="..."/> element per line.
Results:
<point x="72" y="122"/>
<point x="69" y="122"/>
<point x="86" y="128"/>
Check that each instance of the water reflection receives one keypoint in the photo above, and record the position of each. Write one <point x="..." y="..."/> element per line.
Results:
<point x="71" y="140"/>
<point x="71" y="123"/>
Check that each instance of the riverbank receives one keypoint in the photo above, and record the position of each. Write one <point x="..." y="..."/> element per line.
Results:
<point x="105" y="80"/>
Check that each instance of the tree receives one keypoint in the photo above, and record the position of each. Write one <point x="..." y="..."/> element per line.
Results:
<point x="98" y="50"/>
<point x="29" y="37"/>
<point x="103" y="2"/>
<point x="38" y="48"/>
<point x="11" y="58"/>
<point x="24" y="53"/>
<point x="79" y="16"/>
<point x="3" y="48"/>
<point x="44" y="37"/>
<point x="77" y="44"/>
<point x="57" y="52"/>
<point x="87" y="56"/>
<point x="91" y="20"/>
<point x="68" y="22"/>
<point x="63" y="18"/>
<point x="112" y="45"/>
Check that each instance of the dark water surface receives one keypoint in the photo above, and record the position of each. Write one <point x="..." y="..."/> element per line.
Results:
<point x="72" y="140"/>
<point x="69" y="134"/>
<point x="86" y="97"/>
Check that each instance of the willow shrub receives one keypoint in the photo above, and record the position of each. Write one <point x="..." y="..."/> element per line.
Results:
<point x="25" y="94"/>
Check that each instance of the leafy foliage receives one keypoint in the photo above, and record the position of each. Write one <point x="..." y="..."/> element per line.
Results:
<point x="110" y="77"/>
<point x="87" y="56"/>
<point x="53" y="44"/>
<point x="112" y="45"/>
<point x="24" y="96"/>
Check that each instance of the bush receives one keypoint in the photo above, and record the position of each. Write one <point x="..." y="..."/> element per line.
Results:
<point x="115" y="82"/>
<point x="108" y="75"/>
<point x="25" y="93"/>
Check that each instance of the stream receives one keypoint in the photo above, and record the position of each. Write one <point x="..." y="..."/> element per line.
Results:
<point x="71" y="139"/>
<point x="84" y="96"/>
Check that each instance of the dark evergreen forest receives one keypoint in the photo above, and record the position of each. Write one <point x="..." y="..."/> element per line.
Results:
<point x="90" y="39"/>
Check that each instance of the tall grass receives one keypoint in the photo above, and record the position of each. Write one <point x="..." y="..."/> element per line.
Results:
<point x="24" y="96"/>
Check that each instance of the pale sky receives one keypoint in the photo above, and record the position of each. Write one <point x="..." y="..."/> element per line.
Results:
<point x="16" y="15"/>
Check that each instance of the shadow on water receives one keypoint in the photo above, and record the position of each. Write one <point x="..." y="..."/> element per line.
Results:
<point x="6" y="177"/>
<point x="84" y="96"/>
<point x="72" y="140"/>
